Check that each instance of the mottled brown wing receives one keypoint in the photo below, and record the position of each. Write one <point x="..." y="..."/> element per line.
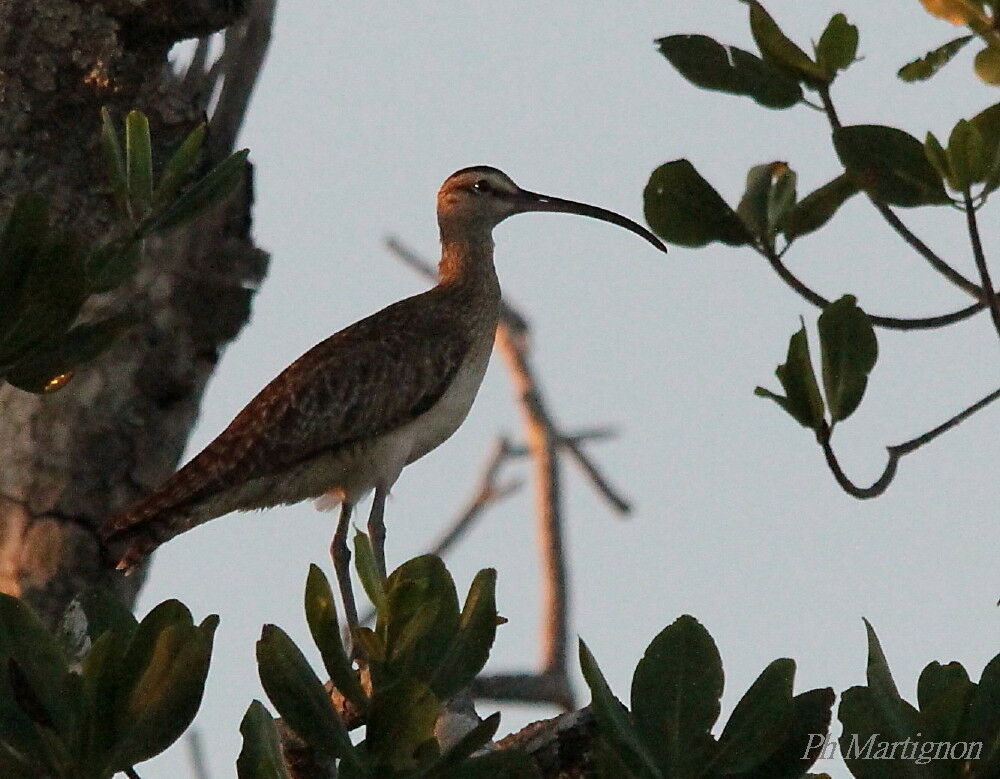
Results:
<point x="369" y="378"/>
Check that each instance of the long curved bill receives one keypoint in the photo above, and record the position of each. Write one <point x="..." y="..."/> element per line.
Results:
<point x="533" y="201"/>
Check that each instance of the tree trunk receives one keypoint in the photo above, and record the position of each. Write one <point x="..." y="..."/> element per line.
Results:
<point x="119" y="427"/>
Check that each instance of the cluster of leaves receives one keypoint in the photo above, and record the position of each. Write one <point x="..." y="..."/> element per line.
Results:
<point x="980" y="16"/>
<point x="848" y="350"/>
<point x="422" y="652"/>
<point x="892" y="167"/>
<point x="888" y="163"/>
<point x="675" y="697"/>
<point x="952" y="710"/>
<point x="111" y="693"/>
<point x="772" y="734"/>
<point x="46" y="274"/>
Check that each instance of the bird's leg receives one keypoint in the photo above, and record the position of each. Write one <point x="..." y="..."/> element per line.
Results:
<point x="342" y="566"/>
<point x="376" y="529"/>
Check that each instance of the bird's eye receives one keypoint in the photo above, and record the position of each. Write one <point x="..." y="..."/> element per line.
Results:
<point x="482" y="186"/>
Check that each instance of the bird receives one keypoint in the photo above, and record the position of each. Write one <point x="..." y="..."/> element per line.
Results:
<point x="346" y="417"/>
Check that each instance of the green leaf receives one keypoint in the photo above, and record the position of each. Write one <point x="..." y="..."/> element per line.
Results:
<point x="466" y="746"/>
<point x="100" y="672"/>
<point x="172" y="660"/>
<point x="503" y="764"/>
<point x="42" y="369"/>
<point x="758" y="724"/>
<point x="39" y="673"/>
<point x="23" y="236"/>
<point x="837" y="46"/>
<point x="90" y="615"/>
<point x="614" y="722"/>
<point x="420" y="618"/>
<point x="105" y="611"/>
<point x="299" y="696"/>
<point x="138" y="163"/>
<point x="943" y="694"/>
<point x="752" y="208"/>
<point x="260" y="757"/>
<point x="780" y="51"/>
<point x="675" y="696"/>
<point x="898" y="717"/>
<point x="968" y="157"/>
<point x="802" y="399"/>
<point x="890" y="164"/>
<point x="49" y="301"/>
<point x="401" y="719"/>
<point x="982" y="722"/>
<point x="818" y="207"/>
<point x="987" y="65"/>
<point x="937" y="156"/>
<point x="925" y="67"/>
<point x="209" y="189"/>
<point x="861" y="720"/>
<point x="470" y="648"/>
<point x="781" y="197"/>
<point x="708" y="64"/>
<point x="364" y="562"/>
<point x="769" y="194"/>
<point x="682" y="208"/>
<point x="114" y="161"/>
<point x="179" y="166"/>
<point x="321" y="614"/>
<point x="849" y="351"/>
<point x="799" y="750"/>
<point x="112" y="264"/>
<point x="987" y="122"/>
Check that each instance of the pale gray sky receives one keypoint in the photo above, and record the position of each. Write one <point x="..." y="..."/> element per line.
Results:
<point x="364" y="108"/>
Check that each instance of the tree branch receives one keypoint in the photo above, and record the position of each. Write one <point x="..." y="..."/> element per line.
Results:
<point x="896" y="452"/>
<point x="887" y="322"/>
<point x="980" y="256"/>
<point x="548" y="501"/>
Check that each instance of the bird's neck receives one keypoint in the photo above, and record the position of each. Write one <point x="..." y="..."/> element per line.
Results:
<point x="468" y="264"/>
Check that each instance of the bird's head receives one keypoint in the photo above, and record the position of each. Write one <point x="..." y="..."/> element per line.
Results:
<point x="472" y="201"/>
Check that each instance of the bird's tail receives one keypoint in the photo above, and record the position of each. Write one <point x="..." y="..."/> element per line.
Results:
<point x="127" y="545"/>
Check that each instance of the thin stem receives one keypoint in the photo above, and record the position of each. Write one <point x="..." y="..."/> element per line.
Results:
<point x="887" y="322"/>
<point x="130" y="773"/>
<point x="901" y="229"/>
<point x="977" y="251"/>
<point x="896" y="452"/>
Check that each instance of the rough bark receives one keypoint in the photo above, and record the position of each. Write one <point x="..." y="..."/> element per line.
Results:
<point x="120" y="426"/>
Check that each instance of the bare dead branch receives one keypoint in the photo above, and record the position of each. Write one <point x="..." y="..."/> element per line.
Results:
<point x="243" y="55"/>
<point x="196" y="754"/>
<point x="525" y="688"/>
<point x="596" y="478"/>
<point x="548" y="499"/>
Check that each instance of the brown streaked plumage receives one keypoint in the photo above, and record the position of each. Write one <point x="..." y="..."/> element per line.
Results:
<point x="349" y="414"/>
